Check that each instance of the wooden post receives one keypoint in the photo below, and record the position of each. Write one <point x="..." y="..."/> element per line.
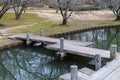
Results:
<point x="69" y="37"/>
<point x="61" y="52"/>
<point x="87" y="36"/>
<point x="113" y="52"/>
<point x="77" y="37"/>
<point x="74" y="72"/>
<point x="28" y="38"/>
<point x="97" y="62"/>
<point x="41" y="32"/>
<point x="61" y="45"/>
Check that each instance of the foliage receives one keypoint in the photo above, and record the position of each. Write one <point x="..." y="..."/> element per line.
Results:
<point x="90" y="8"/>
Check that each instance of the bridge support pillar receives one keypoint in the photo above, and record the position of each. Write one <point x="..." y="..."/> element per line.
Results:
<point x="97" y="62"/>
<point x="28" y="38"/>
<point x="41" y="32"/>
<point x="74" y="72"/>
<point x="113" y="52"/>
<point x="61" y="52"/>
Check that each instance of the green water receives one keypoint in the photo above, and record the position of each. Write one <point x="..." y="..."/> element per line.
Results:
<point x="103" y="38"/>
<point x="36" y="63"/>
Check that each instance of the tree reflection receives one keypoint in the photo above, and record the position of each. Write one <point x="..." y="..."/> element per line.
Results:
<point x="34" y="63"/>
<point x="27" y="63"/>
<point x="103" y="38"/>
<point x="21" y="64"/>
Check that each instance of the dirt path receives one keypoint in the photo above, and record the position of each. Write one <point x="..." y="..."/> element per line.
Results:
<point x="82" y="15"/>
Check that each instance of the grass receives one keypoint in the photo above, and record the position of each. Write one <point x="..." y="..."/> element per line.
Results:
<point x="54" y="27"/>
<point x="9" y="20"/>
<point x="5" y="41"/>
<point x="51" y="27"/>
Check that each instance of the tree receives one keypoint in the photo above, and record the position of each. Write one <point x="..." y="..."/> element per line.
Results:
<point x="52" y="4"/>
<point x="66" y="8"/>
<point x="6" y="5"/>
<point x="115" y="7"/>
<point x="20" y="5"/>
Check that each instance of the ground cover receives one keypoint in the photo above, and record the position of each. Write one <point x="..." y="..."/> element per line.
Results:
<point x="54" y="27"/>
<point x="9" y="21"/>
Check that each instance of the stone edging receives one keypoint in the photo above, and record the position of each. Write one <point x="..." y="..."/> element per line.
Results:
<point x="83" y="30"/>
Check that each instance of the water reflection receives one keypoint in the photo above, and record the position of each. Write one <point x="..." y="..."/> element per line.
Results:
<point x="103" y="38"/>
<point x="35" y="63"/>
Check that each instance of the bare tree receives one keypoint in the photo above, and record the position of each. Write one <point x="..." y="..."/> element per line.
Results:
<point x="52" y="4"/>
<point x="20" y="5"/>
<point x="115" y="7"/>
<point x="5" y="7"/>
<point x="66" y="8"/>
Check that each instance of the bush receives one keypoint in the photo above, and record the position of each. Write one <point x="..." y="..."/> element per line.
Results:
<point x="90" y="8"/>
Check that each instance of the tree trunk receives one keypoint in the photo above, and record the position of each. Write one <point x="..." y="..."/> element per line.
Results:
<point x="17" y="17"/>
<point x="3" y="11"/>
<point x="19" y="13"/>
<point x="117" y="18"/>
<point x="2" y="14"/>
<point x="64" y="21"/>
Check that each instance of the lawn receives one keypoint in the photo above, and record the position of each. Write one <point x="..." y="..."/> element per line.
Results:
<point x="53" y="27"/>
<point x="9" y="20"/>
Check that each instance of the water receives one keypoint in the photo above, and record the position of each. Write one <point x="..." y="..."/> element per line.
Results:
<point x="103" y="38"/>
<point x="36" y="63"/>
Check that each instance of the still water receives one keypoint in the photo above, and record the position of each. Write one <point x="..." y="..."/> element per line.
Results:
<point x="103" y="38"/>
<point x="38" y="63"/>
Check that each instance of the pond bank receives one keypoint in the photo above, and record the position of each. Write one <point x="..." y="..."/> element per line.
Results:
<point x="9" y="43"/>
<point x="63" y="34"/>
<point x="83" y="30"/>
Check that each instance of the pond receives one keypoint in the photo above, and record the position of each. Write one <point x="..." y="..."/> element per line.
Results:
<point x="37" y="63"/>
<point x="103" y="38"/>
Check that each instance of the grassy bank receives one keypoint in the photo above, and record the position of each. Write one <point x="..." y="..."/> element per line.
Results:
<point x="54" y="27"/>
<point x="5" y="41"/>
<point x="51" y="27"/>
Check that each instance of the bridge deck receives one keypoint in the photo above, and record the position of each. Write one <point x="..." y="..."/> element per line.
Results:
<point x="80" y="50"/>
<point x="36" y="38"/>
<point x="71" y="46"/>
<point x="111" y="71"/>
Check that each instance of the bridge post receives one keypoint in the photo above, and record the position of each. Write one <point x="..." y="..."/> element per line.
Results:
<point x="87" y="37"/>
<point x="61" y="52"/>
<point x="61" y="45"/>
<point x="41" y="32"/>
<point x="113" y="52"/>
<point x="69" y="37"/>
<point x="28" y="38"/>
<point x="97" y="62"/>
<point x="74" y="72"/>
